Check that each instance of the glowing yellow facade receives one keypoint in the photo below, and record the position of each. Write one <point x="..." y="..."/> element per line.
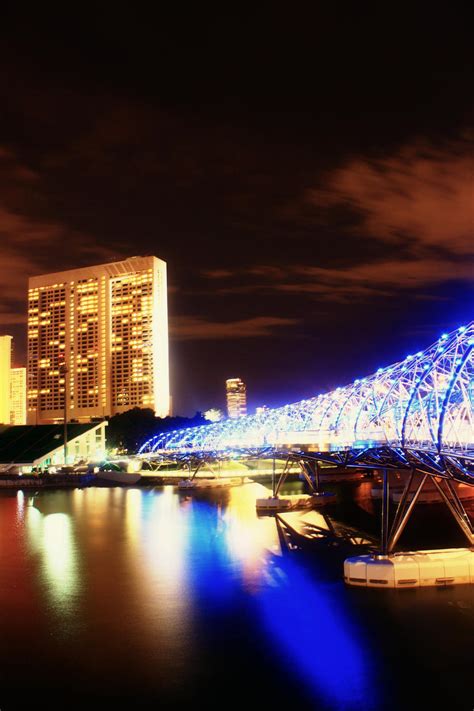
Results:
<point x="5" y="367"/>
<point x="236" y="398"/>
<point x="108" y="325"/>
<point x="18" y="396"/>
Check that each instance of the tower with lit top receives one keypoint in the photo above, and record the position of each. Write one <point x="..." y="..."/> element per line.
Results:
<point x="236" y="398"/>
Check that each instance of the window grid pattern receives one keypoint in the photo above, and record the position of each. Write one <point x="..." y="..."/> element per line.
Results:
<point x="132" y="340"/>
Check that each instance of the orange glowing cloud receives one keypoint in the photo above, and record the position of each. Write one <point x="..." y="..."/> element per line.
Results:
<point x="418" y="204"/>
<point x="421" y="194"/>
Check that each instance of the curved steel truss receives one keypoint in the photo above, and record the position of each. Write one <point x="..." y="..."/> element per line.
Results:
<point x="423" y="404"/>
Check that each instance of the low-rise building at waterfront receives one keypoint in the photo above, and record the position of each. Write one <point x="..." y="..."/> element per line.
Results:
<point x="27" y="447"/>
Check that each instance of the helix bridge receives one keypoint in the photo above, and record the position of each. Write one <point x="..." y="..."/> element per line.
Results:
<point x="415" y="417"/>
<point x="416" y="413"/>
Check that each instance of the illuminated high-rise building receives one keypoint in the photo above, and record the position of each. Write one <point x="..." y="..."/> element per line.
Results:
<point x="101" y="333"/>
<point x="5" y="367"/>
<point x="236" y="397"/>
<point x="18" y="396"/>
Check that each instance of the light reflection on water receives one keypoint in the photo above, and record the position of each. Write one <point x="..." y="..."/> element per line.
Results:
<point x="50" y="537"/>
<point x="316" y="636"/>
<point x="157" y="593"/>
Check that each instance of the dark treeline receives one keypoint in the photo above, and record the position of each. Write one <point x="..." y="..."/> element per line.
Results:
<point x="129" y="430"/>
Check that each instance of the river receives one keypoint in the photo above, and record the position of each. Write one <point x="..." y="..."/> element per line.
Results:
<point x="146" y="597"/>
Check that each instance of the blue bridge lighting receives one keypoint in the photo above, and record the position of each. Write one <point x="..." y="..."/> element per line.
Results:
<point x="424" y="402"/>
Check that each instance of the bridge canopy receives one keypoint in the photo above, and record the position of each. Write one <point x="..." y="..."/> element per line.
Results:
<point x="423" y="402"/>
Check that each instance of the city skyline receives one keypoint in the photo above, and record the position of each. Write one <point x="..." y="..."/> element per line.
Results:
<point x="304" y="199"/>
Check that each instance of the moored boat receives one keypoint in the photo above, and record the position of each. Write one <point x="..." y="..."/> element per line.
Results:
<point x="119" y="477"/>
<point x="294" y="502"/>
<point x="120" y="472"/>
<point x="210" y="482"/>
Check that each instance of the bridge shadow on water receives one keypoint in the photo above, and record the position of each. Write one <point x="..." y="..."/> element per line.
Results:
<point x="356" y="515"/>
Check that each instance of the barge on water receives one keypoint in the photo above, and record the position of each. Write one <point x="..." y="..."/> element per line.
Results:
<point x="216" y="482"/>
<point x="294" y="502"/>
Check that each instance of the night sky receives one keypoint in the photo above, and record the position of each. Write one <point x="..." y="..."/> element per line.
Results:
<point x="308" y="179"/>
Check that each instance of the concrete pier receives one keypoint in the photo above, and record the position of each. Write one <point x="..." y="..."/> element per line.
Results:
<point x="437" y="568"/>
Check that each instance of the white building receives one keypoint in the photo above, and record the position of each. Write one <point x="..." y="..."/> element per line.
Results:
<point x="101" y="332"/>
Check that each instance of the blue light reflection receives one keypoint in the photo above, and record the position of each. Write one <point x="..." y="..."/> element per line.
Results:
<point x="315" y="635"/>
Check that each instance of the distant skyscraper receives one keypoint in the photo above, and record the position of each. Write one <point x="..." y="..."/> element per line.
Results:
<point x="236" y="397"/>
<point x="5" y="367"/>
<point x="18" y="396"/>
<point x="105" y="330"/>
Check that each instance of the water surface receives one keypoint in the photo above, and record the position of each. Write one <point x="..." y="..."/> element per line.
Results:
<point x="149" y="597"/>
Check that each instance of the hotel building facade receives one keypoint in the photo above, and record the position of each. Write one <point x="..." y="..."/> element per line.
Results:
<point x="100" y="334"/>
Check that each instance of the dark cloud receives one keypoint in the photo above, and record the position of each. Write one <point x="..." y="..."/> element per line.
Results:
<point x="29" y="244"/>
<point x="195" y="328"/>
<point x="417" y="203"/>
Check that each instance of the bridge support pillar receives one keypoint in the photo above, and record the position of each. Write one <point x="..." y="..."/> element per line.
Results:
<point x="317" y="476"/>
<point x="310" y="471"/>
<point x="284" y="474"/>
<point x="454" y="504"/>
<point x="404" y="510"/>
<point x="385" y="513"/>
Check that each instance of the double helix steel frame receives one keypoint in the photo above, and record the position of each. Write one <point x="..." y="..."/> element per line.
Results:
<point x="416" y="415"/>
<point x="421" y="406"/>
